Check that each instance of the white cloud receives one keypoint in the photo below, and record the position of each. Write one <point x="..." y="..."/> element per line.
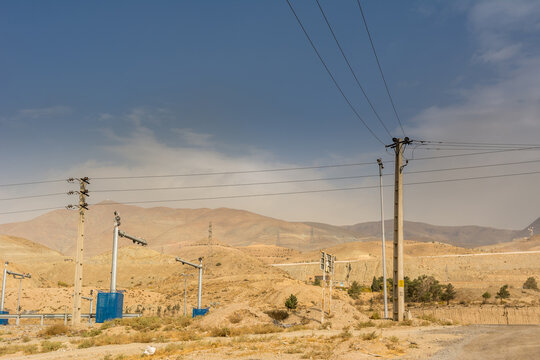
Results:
<point x="505" y="109"/>
<point x="193" y="138"/>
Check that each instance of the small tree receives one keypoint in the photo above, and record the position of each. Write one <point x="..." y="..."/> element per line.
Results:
<point x="530" y="284"/>
<point x="486" y="296"/>
<point x="448" y="294"/>
<point x="376" y="285"/>
<point x="355" y="290"/>
<point x="291" y="302"/>
<point x="317" y="282"/>
<point x="503" y="293"/>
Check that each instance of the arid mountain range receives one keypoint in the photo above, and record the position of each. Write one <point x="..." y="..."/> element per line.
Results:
<point x="166" y="229"/>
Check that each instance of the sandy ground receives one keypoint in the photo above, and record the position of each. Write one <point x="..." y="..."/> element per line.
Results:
<point x="413" y="343"/>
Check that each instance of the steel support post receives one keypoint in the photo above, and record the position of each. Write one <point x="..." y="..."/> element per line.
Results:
<point x="199" y="298"/>
<point x="114" y="257"/>
<point x="385" y="291"/>
<point x="3" y="287"/>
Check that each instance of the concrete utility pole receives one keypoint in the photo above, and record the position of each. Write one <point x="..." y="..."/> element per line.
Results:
<point x="323" y="268"/>
<point x="83" y="193"/>
<point x="399" y="282"/>
<point x="381" y="166"/>
<point x="116" y="234"/>
<point x="200" y="267"/>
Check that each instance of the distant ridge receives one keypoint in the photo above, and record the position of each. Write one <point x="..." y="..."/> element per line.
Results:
<point x="469" y="236"/>
<point x="167" y="229"/>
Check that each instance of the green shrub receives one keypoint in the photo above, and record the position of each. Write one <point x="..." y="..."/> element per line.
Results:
<point x="422" y="289"/>
<point x="354" y="290"/>
<point x="62" y="284"/>
<point x="448" y="294"/>
<point x="486" y="296"/>
<point x="530" y="283"/>
<point x="503" y="293"/>
<point x="292" y="302"/>
<point x="278" y="315"/>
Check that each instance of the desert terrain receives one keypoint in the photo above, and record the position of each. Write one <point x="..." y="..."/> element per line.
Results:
<point x="245" y="285"/>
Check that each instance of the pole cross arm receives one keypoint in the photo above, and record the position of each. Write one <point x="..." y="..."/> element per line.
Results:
<point x="17" y="275"/>
<point x="184" y="262"/>
<point x="135" y="240"/>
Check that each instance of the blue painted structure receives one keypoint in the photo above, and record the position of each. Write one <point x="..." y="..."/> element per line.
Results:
<point x="109" y="306"/>
<point x="4" y="321"/>
<point x="200" y="312"/>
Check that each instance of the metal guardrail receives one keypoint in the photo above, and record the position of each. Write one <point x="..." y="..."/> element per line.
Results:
<point x="42" y="317"/>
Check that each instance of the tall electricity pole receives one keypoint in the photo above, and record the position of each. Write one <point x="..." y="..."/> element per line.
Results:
<point x="399" y="283"/>
<point x="77" y="296"/>
<point x="381" y="166"/>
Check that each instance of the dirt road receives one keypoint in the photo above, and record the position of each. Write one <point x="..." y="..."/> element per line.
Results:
<point x="494" y="342"/>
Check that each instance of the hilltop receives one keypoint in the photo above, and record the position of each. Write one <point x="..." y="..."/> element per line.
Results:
<point x="167" y="229"/>
<point x="469" y="236"/>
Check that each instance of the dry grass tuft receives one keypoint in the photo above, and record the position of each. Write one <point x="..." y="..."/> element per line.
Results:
<point x="370" y="336"/>
<point x="54" y="330"/>
<point x="364" y="324"/>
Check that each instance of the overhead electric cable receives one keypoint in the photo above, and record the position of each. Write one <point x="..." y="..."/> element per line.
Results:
<point x="234" y="185"/>
<point x="471" y="154"/>
<point x="308" y="180"/>
<point x="30" y="210"/>
<point x="351" y="69"/>
<point x="330" y="74"/>
<point x="380" y="67"/>
<point x="475" y="143"/>
<point x="32" y="183"/>
<point x="317" y="191"/>
<point x="289" y="193"/>
<point x="32" y="196"/>
<point x="235" y="172"/>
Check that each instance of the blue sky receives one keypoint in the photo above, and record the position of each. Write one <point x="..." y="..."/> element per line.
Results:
<point x="136" y="87"/>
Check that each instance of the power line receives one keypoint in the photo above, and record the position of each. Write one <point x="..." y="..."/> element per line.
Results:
<point x="236" y="172"/>
<point x="290" y="193"/>
<point x="278" y="182"/>
<point x="472" y="154"/>
<point x="30" y="210"/>
<point x="476" y="143"/>
<point x="379" y="65"/>
<point x="32" y="183"/>
<point x="319" y="190"/>
<point x="32" y="196"/>
<point x="351" y="69"/>
<point x="470" y="148"/>
<point x="308" y="180"/>
<point x="330" y="74"/>
<point x="239" y="184"/>
<point x="534" y="147"/>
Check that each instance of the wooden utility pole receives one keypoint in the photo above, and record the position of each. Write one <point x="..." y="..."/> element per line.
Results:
<point x="399" y="282"/>
<point x="77" y="296"/>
